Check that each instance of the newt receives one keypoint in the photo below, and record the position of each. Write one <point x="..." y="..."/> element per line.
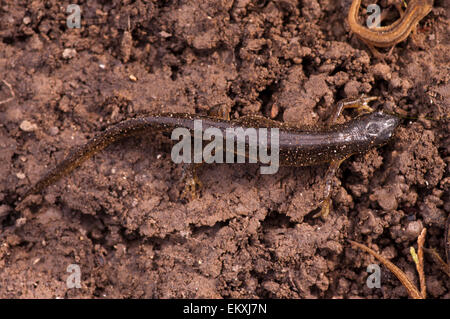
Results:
<point x="389" y="36"/>
<point x="298" y="146"/>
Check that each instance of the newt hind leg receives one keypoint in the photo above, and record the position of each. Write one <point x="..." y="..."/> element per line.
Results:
<point x="193" y="185"/>
<point x="326" y="203"/>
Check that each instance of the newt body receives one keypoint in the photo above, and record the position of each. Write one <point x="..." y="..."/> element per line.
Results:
<point x="297" y="146"/>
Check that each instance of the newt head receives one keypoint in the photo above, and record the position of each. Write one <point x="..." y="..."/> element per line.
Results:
<point x="378" y="127"/>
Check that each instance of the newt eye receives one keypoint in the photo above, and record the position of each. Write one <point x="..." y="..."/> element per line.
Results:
<point x="373" y="128"/>
<point x="390" y="123"/>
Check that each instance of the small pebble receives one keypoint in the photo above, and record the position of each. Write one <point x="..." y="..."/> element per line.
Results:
<point x="274" y="111"/>
<point x="27" y="126"/>
<point x="165" y="34"/>
<point x="383" y="71"/>
<point x="20" y="175"/>
<point x="69" y="53"/>
<point x="26" y="20"/>
<point x="53" y="131"/>
<point x="413" y="229"/>
<point x="21" y="221"/>
<point x="133" y="78"/>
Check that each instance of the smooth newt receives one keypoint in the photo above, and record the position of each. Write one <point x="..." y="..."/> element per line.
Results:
<point x="297" y="146"/>
<point x="388" y="36"/>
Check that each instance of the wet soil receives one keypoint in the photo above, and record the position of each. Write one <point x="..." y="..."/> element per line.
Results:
<point x="120" y="216"/>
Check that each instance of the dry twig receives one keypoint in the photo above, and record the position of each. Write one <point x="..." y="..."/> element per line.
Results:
<point x="418" y="260"/>
<point x="10" y="90"/>
<point x="412" y="290"/>
<point x="444" y="266"/>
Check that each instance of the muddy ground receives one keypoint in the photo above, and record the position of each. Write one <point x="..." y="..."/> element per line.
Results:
<point x="120" y="217"/>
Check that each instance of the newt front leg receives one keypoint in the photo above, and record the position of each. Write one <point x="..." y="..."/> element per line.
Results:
<point x="361" y="104"/>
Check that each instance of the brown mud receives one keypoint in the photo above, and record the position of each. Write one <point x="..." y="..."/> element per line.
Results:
<point x="120" y="216"/>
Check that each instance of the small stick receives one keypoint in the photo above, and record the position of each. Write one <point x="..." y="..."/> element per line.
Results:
<point x="413" y="292"/>
<point x="12" y="93"/>
<point x="447" y="240"/>
<point x="444" y="267"/>
<point x="419" y="262"/>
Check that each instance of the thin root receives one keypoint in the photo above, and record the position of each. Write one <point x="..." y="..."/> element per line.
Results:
<point x="442" y="264"/>
<point x="12" y="93"/>
<point x="419" y="262"/>
<point x="413" y="292"/>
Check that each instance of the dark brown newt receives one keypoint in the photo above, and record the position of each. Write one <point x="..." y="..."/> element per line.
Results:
<point x="297" y="146"/>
